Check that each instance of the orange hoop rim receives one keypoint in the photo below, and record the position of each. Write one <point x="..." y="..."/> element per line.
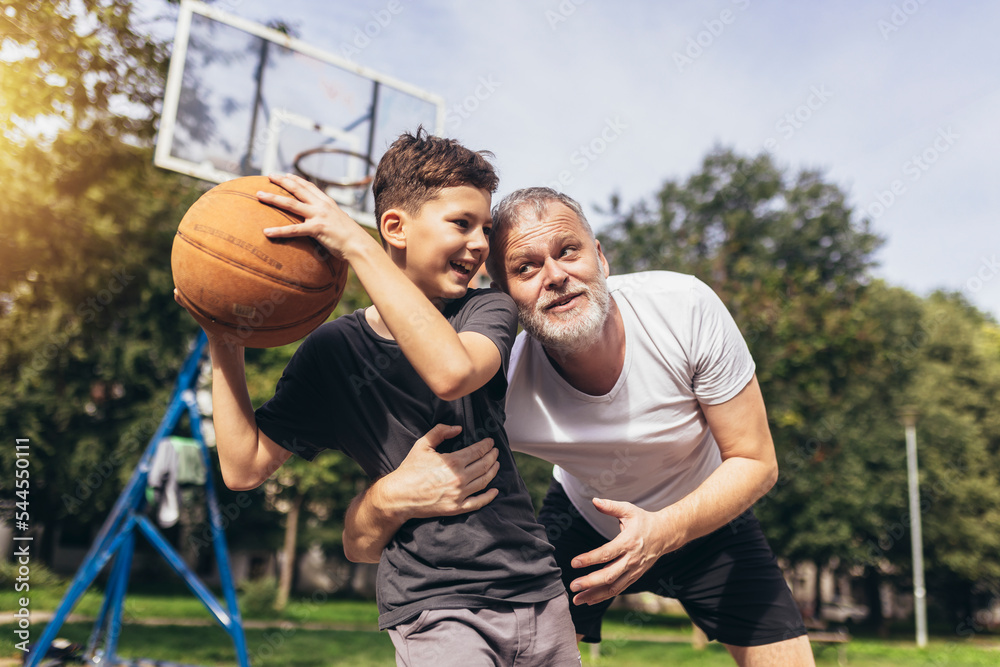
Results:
<point x="327" y="183"/>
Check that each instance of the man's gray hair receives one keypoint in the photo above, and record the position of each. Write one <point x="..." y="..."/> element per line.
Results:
<point x="514" y="209"/>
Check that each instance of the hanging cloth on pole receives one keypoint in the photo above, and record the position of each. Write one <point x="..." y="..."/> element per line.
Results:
<point x="163" y="481"/>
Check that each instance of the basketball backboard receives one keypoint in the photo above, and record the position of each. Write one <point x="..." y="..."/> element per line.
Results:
<point x="244" y="99"/>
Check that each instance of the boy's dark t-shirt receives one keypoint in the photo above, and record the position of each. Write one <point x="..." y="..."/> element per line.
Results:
<point x="349" y="389"/>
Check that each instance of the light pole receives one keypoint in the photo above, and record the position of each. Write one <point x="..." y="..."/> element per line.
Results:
<point x="909" y="416"/>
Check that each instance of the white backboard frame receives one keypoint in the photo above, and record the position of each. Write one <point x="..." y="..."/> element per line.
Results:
<point x="208" y="172"/>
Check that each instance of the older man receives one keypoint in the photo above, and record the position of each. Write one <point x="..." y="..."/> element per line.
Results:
<point x="642" y="391"/>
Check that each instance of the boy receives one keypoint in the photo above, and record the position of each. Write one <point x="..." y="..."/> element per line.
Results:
<point x="468" y="589"/>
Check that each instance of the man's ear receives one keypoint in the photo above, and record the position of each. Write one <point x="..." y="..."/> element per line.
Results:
<point x="393" y="225"/>
<point x="603" y="259"/>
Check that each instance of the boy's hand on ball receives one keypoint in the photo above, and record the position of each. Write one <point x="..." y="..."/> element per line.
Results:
<point x="323" y="220"/>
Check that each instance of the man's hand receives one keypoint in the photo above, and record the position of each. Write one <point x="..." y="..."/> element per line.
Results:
<point x="428" y="483"/>
<point x="640" y="543"/>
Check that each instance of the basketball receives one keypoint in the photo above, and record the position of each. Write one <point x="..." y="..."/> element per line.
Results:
<point x="243" y="287"/>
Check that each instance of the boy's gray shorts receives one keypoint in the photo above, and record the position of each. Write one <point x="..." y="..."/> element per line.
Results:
<point x="512" y="635"/>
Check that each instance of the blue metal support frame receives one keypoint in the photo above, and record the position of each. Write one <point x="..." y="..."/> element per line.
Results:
<point x="117" y="539"/>
<point x="114" y="599"/>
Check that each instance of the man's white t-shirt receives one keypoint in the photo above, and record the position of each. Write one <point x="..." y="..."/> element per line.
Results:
<point x="646" y="441"/>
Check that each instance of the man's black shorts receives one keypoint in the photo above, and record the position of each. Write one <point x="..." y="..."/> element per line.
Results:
<point x="728" y="581"/>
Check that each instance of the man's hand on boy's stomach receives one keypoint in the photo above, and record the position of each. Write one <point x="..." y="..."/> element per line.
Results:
<point x="428" y="483"/>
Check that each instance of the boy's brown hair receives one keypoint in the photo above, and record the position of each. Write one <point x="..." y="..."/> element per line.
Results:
<point x="418" y="166"/>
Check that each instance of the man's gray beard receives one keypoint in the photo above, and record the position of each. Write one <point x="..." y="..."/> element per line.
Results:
<point x="564" y="334"/>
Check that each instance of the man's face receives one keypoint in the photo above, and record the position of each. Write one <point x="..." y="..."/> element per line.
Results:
<point x="556" y="275"/>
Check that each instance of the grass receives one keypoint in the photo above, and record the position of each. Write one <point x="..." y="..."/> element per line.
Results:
<point x="211" y="646"/>
<point x="291" y="647"/>
<point x="860" y="653"/>
<point x="356" y="642"/>
<point x="619" y="623"/>
<point x="181" y="604"/>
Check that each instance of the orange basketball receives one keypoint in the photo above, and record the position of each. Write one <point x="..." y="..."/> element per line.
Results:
<point x="242" y="286"/>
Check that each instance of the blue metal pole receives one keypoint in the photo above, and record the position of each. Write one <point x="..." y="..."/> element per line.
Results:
<point x="180" y="567"/>
<point x="117" y="536"/>
<point x="95" y="634"/>
<point x="131" y="497"/>
<point x="83" y="579"/>
<point x="219" y="537"/>
<point x="112" y="596"/>
<point x="136" y="487"/>
<point x="120" y="575"/>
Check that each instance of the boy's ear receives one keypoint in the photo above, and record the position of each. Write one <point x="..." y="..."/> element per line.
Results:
<point x="394" y="228"/>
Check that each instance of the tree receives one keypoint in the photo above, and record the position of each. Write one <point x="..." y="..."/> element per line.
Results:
<point x="955" y="391"/>
<point x="91" y="339"/>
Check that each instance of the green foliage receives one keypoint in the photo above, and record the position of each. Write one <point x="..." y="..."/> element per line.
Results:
<point x="955" y="392"/>
<point x="76" y="65"/>
<point x="537" y="475"/>
<point x="740" y="223"/>
<point x="90" y="339"/>
<point x="257" y="596"/>
<point x="39" y="577"/>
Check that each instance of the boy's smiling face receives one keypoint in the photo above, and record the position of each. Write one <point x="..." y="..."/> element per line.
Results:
<point x="445" y="242"/>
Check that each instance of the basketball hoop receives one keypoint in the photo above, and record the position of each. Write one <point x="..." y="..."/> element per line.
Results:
<point x="324" y="183"/>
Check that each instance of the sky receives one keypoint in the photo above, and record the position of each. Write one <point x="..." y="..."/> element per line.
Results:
<point x="897" y="102"/>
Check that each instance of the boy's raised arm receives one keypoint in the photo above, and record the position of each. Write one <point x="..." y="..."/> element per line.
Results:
<point x="452" y="364"/>
<point x="247" y="456"/>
